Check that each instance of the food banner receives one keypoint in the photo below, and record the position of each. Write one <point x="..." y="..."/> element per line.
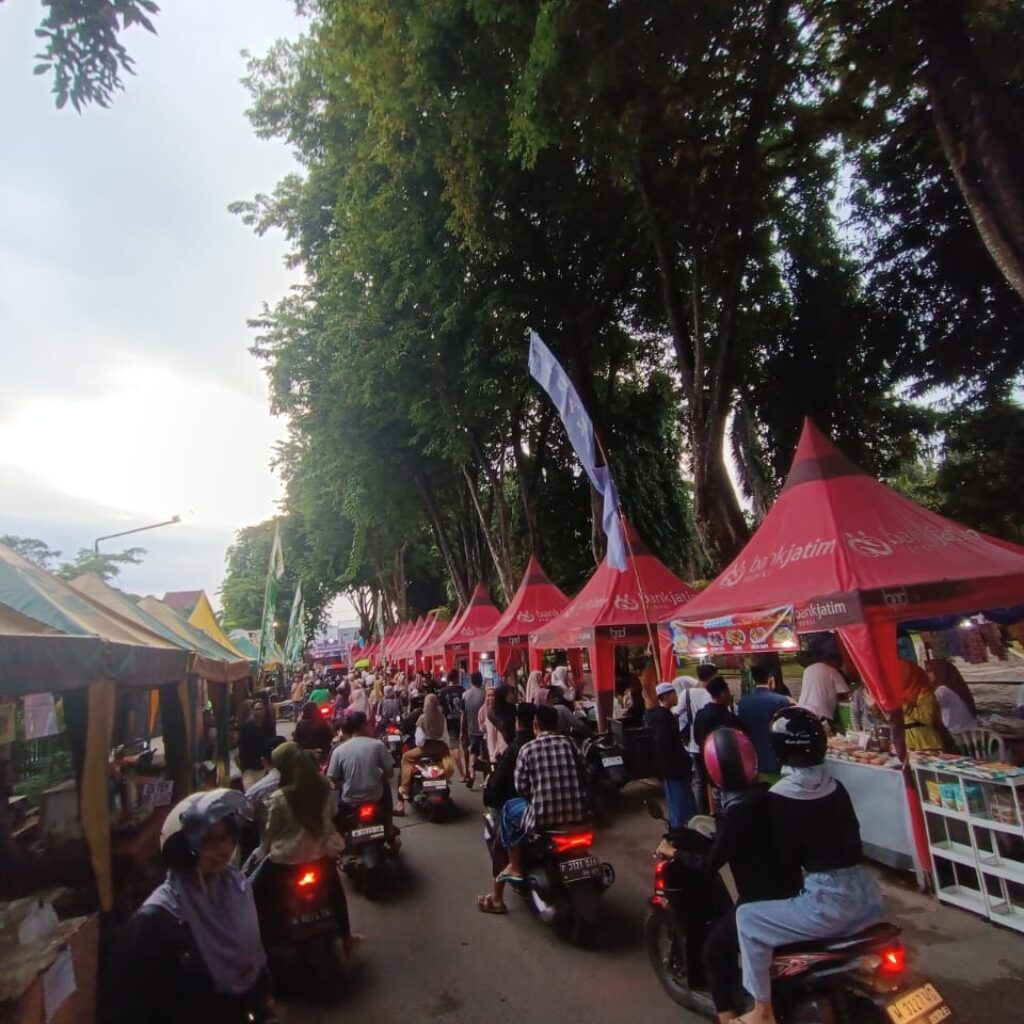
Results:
<point x="770" y="629"/>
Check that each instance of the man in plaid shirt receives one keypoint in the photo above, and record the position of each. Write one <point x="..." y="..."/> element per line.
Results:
<point x="550" y="780"/>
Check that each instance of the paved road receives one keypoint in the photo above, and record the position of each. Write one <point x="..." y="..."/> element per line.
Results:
<point x="431" y="956"/>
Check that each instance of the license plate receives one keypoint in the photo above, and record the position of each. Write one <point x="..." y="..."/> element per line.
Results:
<point x="313" y="917"/>
<point x="579" y="869"/>
<point x="611" y="762"/>
<point x="435" y="784"/>
<point x="923" y="1004"/>
<point x="369" y="832"/>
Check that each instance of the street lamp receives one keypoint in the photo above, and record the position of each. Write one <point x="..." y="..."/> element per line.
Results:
<point x="138" y="529"/>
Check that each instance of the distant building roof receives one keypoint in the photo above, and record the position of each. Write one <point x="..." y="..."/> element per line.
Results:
<point x="183" y="601"/>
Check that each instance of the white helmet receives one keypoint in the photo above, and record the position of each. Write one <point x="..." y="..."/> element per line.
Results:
<point x="191" y="819"/>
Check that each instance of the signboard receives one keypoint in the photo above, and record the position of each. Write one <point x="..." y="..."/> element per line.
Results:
<point x="158" y="794"/>
<point x="769" y="629"/>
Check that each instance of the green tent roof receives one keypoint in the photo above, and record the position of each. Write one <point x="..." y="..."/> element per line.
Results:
<point x="55" y="638"/>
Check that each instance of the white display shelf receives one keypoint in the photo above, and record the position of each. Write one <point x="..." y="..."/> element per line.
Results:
<point x="977" y="861"/>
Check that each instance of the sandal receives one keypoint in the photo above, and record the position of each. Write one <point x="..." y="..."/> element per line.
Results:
<point x="486" y="905"/>
<point x="507" y="876"/>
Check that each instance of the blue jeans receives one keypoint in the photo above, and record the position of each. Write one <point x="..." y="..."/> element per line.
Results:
<point x="681" y="805"/>
<point x="832" y="903"/>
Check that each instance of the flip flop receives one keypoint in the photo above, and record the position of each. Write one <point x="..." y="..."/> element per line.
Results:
<point x="486" y="905"/>
<point x="507" y="876"/>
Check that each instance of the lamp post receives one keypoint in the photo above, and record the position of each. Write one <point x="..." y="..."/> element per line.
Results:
<point x="138" y="529"/>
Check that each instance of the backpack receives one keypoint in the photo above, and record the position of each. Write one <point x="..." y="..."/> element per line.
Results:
<point x="452" y="703"/>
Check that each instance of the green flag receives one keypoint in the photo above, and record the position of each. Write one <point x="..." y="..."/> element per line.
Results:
<point x="295" y="643"/>
<point x="275" y="573"/>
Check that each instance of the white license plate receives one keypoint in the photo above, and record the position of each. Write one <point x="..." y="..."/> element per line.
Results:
<point x="580" y="868"/>
<point x="435" y="784"/>
<point x="918" y="1006"/>
<point x="367" y="832"/>
<point x="611" y="762"/>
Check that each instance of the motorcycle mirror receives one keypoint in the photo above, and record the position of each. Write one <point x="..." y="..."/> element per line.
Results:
<point x="654" y="809"/>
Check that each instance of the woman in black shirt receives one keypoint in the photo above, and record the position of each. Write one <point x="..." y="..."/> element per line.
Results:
<point x="814" y="828"/>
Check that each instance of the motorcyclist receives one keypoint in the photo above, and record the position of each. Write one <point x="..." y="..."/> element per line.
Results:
<point x="814" y="828"/>
<point x="551" y="783"/>
<point x="450" y="696"/>
<point x="361" y="769"/>
<point x="192" y="952"/>
<point x="312" y="733"/>
<point x="743" y="841"/>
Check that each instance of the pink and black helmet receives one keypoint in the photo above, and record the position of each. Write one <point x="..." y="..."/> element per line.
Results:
<point x="730" y="759"/>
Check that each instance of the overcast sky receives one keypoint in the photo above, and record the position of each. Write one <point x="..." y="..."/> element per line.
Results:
<point x="128" y="392"/>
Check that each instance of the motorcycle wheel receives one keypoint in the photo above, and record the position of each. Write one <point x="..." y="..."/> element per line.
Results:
<point x="323" y="964"/>
<point x="582" y="913"/>
<point x="666" y="949"/>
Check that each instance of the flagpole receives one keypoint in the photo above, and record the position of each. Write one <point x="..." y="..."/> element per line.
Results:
<point x="636" y="570"/>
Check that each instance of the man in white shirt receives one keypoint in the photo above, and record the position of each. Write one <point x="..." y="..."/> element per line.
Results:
<point x="692" y="698"/>
<point x="823" y="686"/>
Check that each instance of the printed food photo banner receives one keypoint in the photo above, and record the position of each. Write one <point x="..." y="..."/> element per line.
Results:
<point x="769" y="629"/>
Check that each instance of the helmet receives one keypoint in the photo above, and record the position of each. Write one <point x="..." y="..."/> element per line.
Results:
<point x="191" y="819"/>
<point x="798" y="737"/>
<point x="730" y="759"/>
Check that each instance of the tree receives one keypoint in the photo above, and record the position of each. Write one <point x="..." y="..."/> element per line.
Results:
<point x="977" y="480"/>
<point x="105" y="564"/>
<point x="36" y="551"/>
<point x="244" y="588"/>
<point x="83" y="47"/>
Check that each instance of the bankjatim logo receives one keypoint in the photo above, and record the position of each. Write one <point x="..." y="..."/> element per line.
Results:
<point x="864" y="544"/>
<point x="624" y="603"/>
<point x="734" y="573"/>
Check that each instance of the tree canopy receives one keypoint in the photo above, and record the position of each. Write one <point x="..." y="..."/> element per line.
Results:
<point x="722" y="217"/>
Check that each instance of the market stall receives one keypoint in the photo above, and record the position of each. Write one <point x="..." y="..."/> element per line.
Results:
<point x="402" y="654"/>
<point x="609" y="612"/>
<point x="537" y="602"/>
<point x="842" y="552"/>
<point x="451" y="649"/>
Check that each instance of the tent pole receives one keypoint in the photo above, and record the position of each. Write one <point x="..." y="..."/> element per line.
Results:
<point x="636" y="572"/>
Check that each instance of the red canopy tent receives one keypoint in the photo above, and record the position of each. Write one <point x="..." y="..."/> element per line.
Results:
<point x="608" y="612"/>
<point x="370" y="652"/>
<point x="851" y="554"/>
<point x="433" y="651"/>
<point x="402" y="643"/>
<point x="453" y="646"/>
<point x="433" y="628"/>
<point x="401" y="637"/>
<point x="536" y="602"/>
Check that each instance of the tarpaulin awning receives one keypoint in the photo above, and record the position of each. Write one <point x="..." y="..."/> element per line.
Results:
<point x="610" y="603"/>
<point x="219" y="664"/>
<point x="81" y="641"/>
<point x="194" y="606"/>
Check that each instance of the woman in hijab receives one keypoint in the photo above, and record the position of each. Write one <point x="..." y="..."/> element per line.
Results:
<point x="921" y="718"/>
<point x="534" y="688"/>
<point x="358" y="699"/>
<point x="502" y="713"/>
<point x="300" y="829"/>
<point x="431" y="741"/>
<point x="562" y="677"/>
<point x="954" y="697"/>
<point x="496" y="715"/>
<point x="376" y="696"/>
<point x="192" y="951"/>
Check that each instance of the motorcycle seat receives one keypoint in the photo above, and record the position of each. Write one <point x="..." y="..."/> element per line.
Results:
<point x="864" y="941"/>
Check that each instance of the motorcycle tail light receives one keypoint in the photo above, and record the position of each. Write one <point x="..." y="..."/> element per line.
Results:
<point x="894" y="960"/>
<point x="326" y="711"/>
<point x="392" y="730"/>
<point x="660" y="867"/>
<point x="367" y="811"/>
<point x="308" y="878"/>
<point x="431" y="772"/>
<point x="580" y="841"/>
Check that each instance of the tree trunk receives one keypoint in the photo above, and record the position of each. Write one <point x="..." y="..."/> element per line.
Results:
<point x="716" y="506"/>
<point x="459" y="581"/>
<point x="498" y="555"/>
<point x="972" y="118"/>
<point x="362" y="600"/>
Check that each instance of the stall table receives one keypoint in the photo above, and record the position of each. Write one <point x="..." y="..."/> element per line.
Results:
<point x="880" y="800"/>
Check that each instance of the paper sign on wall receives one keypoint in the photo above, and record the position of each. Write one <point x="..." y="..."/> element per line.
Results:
<point x="158" y="794"/>
<point x="40" y="716"/>
<point x="8" y="711"/>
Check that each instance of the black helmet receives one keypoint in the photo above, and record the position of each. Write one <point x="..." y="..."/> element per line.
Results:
<point x="730" y="759"/>
<point x="798" y="737"/>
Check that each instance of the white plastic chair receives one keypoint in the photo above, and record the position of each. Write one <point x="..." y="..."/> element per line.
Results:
<point x="981" y="744"/>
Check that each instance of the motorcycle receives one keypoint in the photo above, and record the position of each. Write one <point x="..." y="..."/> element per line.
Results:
<point x="366" y="846"/>
<point x="299" y="920"/>
<point x="392" y="737"/>
<point x="429" y="790"/>
<point x="854" y="979"/>
<point x="562" y="880"/>
<point x="607" y="774"/>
